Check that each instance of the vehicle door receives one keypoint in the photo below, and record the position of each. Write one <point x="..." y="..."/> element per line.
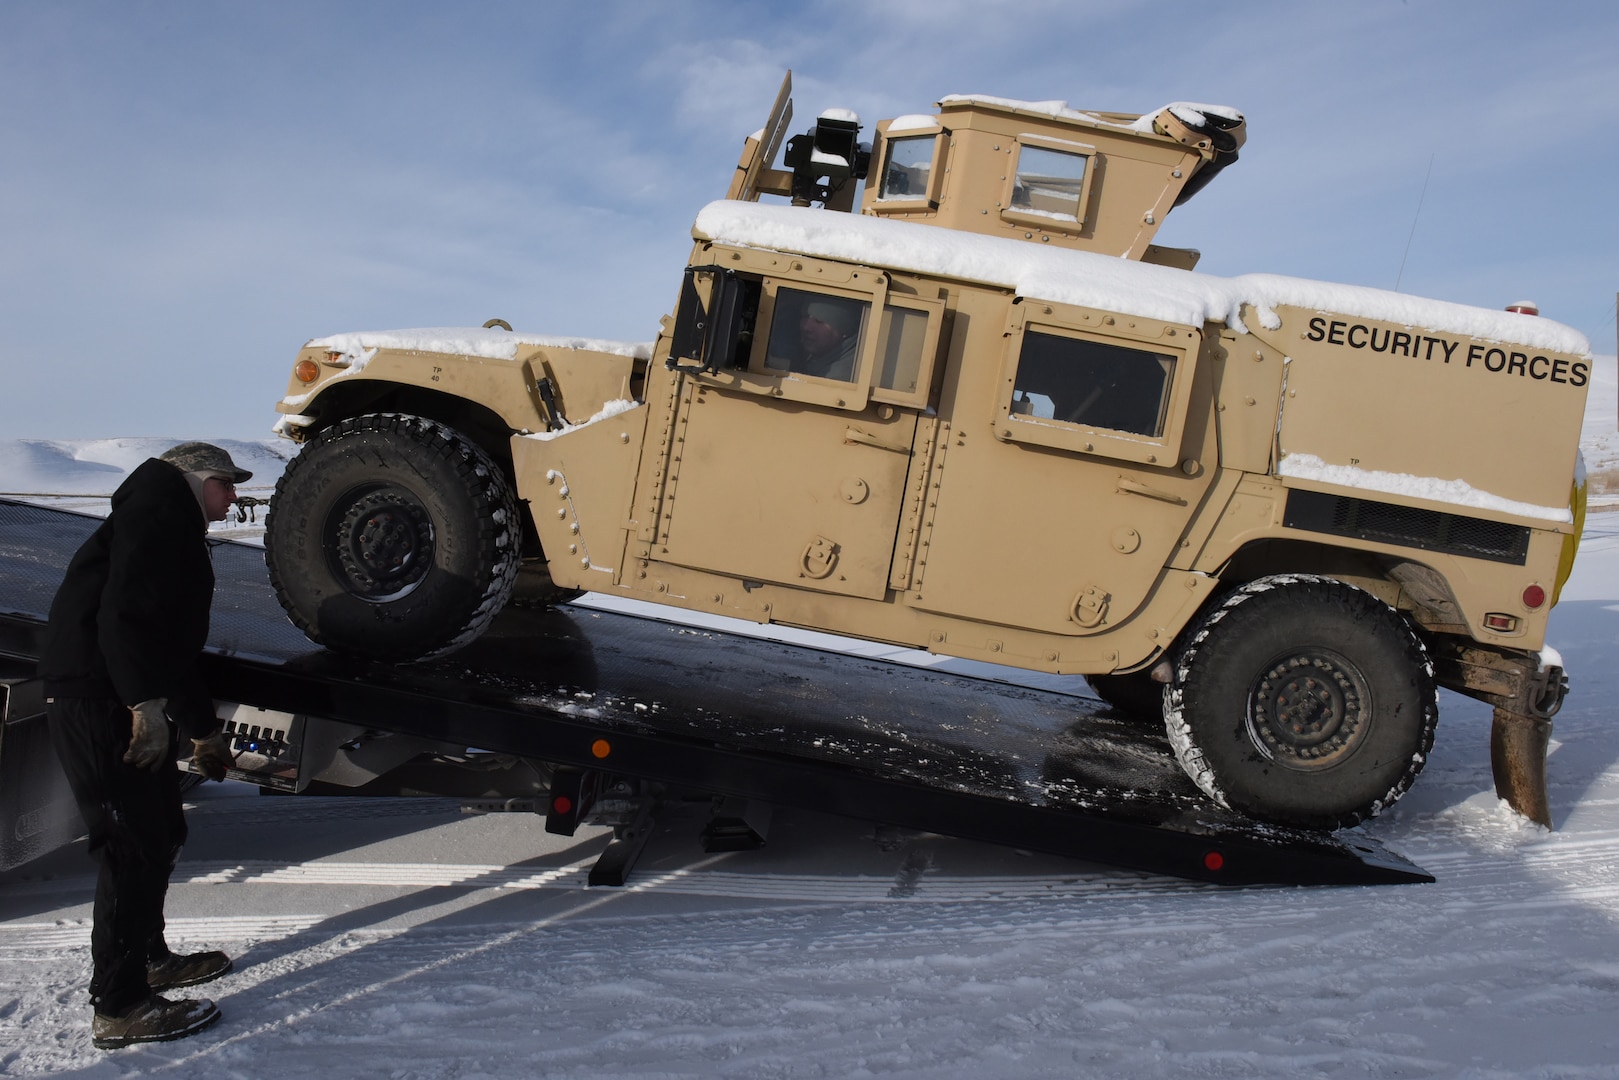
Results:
<point x="794" y="430"/>
<point x="1084" y="444"/>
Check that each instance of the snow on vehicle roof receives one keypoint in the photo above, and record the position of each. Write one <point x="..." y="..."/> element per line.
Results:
<point x="1189" y="111"/>
<point x="912" y="122"/>
<point x="1087" y="279"/>
<point x="470" y="341"/>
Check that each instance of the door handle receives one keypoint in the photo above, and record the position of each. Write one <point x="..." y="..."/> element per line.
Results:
<point x="1136" y="487"/>
<point x="866" y="438"/>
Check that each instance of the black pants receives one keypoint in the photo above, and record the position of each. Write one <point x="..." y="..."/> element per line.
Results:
<point x="136" y="828"/>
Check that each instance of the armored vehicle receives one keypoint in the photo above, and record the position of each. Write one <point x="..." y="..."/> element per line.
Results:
<point x="945" y="391"/>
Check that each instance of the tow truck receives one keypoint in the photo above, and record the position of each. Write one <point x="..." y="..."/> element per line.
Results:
<point x="601" y="717"/>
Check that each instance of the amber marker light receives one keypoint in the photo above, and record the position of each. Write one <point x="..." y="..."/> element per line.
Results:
<point x="601" y="748"/>
<point x="306" y="371"/>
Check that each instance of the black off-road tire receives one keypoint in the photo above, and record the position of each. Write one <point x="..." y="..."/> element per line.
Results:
<point x="392" y="537"/>
<point x="1304" y="701"/>
<point x="1135" y="696"/>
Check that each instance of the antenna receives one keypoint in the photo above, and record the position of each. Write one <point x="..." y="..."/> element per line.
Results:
<point x="1414" y="217"/>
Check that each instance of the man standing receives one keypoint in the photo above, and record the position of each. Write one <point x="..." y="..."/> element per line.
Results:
<point x="119" y="664"/>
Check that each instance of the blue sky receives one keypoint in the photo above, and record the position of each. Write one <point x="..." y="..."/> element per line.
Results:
<point x="189" y="191"/>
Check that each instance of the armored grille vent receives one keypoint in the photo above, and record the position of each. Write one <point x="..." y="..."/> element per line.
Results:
<point x="1386" y="523"/>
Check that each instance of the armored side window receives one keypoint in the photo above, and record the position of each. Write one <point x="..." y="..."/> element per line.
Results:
<point x="912" y="173"/>
<point x="908" y="171"/>
<point x="1076" y="381"/>
<point x="907" y="346"/>
<point x="1088" y="381"/>
<point x="1050" y="185"/>
<point x="1049" y="182"/>
<point x="816" y="334"/>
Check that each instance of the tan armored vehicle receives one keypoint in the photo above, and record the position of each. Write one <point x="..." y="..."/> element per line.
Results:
<point x="969" y="406"/>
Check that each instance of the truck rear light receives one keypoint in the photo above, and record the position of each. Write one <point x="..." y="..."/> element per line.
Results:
<point x="306" y="371"/>
<point x="1533" y="597"/>
<point x="1500" y="622"/>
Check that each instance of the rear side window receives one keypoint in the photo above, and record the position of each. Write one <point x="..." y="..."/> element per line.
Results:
<point x="1094" y="382"/>
<point x="1077" y="381"/>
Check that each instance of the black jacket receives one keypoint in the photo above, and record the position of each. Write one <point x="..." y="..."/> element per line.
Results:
<point x="131" y="617"/>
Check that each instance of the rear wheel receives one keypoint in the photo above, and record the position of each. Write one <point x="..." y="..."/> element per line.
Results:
<point x="1303" y="700"/>
<point x="393" y="537"/>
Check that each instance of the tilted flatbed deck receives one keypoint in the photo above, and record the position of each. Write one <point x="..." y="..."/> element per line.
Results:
<point x="778" y="724"/>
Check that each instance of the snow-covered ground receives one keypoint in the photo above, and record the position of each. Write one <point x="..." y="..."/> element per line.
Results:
<point x="406" y="938"/>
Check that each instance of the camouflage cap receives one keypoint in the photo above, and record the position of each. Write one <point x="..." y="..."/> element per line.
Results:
<point x="201" y="457"/>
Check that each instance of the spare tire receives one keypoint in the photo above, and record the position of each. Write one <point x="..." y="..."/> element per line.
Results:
<point x="392" y="537"/>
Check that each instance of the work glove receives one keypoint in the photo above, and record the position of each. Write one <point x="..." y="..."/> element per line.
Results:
<point x="211" y="756"/>
<point x="149" y="735"/>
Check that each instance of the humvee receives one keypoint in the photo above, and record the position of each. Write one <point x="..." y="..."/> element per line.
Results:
<point x="946" y="392"/>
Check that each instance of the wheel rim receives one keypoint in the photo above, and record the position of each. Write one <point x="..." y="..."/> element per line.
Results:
<point x="1308" y="710"/>
<point x="382" y="543"/>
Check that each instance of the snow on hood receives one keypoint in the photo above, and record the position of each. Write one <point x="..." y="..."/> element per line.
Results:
<point x="1087" y="279"/>
<point x="616" y="407"/>
<point x="469" y="341"/>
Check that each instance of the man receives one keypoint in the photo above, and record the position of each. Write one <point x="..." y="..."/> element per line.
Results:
<point x="119" y="664"/>
<point x="827" y="335"/>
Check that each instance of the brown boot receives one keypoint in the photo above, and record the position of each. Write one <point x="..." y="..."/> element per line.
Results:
<point x="187" y="970"/>
<point x="156" y="1019"/>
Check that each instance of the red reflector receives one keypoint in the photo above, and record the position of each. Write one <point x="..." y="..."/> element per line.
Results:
<point x="1533" y="597"/>
<point x="561" y="804"/>
<point x="1213" y="860"/>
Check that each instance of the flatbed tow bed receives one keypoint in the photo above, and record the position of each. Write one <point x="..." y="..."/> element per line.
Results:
<point x="625" y="707"/>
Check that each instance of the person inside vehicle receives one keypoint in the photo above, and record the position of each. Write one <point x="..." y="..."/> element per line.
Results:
<point x="828" y="337"/>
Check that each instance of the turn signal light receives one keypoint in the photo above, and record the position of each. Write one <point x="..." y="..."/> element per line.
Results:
<point x="306" y="371"/>
<point x="1533" y="597"/>
<point x="1500" y="623"/>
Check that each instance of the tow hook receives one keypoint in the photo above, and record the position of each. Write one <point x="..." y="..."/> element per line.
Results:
<point x="1525" y="695"/>
<point x="247" y="508"/>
